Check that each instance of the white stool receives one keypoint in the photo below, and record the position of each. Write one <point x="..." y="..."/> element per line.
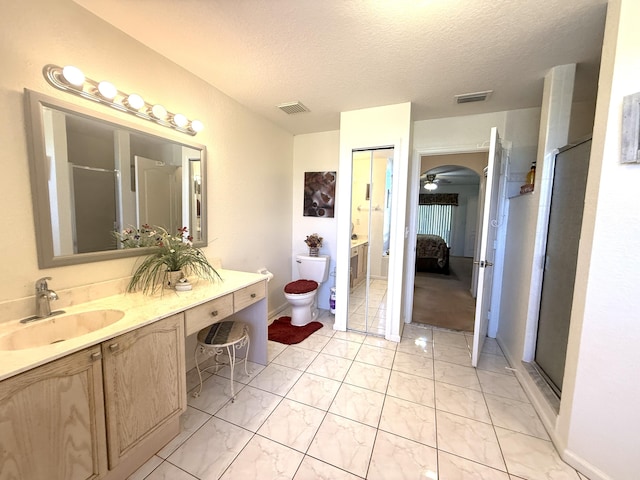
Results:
<point x="212" y="342"/>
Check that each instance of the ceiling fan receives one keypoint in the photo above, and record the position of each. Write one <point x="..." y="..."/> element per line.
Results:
<point x="432" y="182"/>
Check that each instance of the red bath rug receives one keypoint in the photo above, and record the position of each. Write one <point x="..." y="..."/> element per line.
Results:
<point x="282" y="331"/>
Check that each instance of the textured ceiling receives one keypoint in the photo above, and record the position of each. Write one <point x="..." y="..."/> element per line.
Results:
<point x="340" y="55"/>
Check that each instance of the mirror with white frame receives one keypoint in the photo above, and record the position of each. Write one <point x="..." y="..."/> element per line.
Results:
<point x="93" y="174"/>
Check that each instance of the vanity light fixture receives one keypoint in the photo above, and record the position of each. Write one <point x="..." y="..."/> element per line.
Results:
<point x="71" y="79"/>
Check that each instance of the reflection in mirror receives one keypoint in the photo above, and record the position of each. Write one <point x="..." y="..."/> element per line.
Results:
<point x="92" y="176"/>
<point x="371" y="221"/>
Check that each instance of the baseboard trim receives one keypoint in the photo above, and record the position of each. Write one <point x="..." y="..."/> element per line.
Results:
<point x="547" y="413"/>
<point x="275" y="313"/>
<point x="393" y="338"/>
<point x="584" y="467"/>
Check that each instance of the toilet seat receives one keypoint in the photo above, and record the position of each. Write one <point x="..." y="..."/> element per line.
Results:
<point x="300" y="287"/>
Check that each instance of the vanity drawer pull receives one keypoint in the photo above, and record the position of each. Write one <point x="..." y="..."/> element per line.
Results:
<point x="96" y="356"/>
<point x="114" y="347"/>
<point x="253" y="295"/>
<point x="214" y="313"/>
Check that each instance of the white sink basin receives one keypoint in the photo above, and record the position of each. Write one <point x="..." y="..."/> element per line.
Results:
<point x="58" y="329"/>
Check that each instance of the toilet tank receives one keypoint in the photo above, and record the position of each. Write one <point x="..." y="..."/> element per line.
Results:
<point x="313" y="268"/>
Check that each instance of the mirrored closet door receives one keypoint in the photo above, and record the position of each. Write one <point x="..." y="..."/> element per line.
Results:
<point x="370" y="231"/>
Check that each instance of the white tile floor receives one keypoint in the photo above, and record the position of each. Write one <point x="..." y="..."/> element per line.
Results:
<point x="343" y="405"/>
<point x="375" y="319"/>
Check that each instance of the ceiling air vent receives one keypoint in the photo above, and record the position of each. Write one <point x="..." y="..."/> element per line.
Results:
<point x="473" y="97"/>
<point x="292" y="108"/>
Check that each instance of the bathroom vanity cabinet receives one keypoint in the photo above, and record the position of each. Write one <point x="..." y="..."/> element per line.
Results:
<point x="99" y="405"/>
<point x="97" y="413"/>
<point x="358" y="263"/>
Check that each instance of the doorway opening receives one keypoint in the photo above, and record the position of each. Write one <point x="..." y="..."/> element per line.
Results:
<point x="447" y="228"/>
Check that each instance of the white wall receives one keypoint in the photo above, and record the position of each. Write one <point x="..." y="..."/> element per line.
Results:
<point x="456" y="134"/>
<point x="315" y="152"/>
<point x="599" y="412"/>
<point x="249" y="159"/>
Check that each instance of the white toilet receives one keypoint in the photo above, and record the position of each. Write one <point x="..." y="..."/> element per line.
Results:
<point x="302" y="294"/>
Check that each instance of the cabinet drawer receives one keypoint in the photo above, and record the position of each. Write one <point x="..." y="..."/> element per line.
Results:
<point x="197" y="318"/>
<point x="246" y="296"/>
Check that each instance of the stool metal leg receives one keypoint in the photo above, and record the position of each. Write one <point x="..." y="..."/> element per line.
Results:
<point x="246" y="354"/>
<point x="195" y="355"/>
<point x="208" y="351"/>
<point x="232" y="364"/>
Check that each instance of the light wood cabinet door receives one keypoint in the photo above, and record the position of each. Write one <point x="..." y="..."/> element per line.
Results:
<point x="144" y="385"/>
<point x="363" y="251"/>
<point x="52" y="421"/>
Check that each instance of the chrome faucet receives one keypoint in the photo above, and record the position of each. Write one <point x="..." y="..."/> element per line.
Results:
<point x="43" y="297"/>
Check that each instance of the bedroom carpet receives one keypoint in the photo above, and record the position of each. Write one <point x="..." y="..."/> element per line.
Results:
<point x="444" y="300"/>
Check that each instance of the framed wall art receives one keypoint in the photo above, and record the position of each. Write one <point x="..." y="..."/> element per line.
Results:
<point x="319" y="194"/>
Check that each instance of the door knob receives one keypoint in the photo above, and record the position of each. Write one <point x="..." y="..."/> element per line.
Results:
<point x="483" y="263"/>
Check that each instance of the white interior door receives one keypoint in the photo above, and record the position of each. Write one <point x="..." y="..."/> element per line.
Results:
<point x="486" y="252"/>
<point x="158" y="194"/>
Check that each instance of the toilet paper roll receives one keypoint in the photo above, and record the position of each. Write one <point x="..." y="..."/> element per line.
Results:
<point x="266" y="273"/>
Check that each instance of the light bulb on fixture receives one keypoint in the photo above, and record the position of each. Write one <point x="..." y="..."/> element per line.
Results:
<point x="430" y="183"/>
<point x="180" y="120"/>
<point x="159" y="112"/>
<point x="134" y="101"/>
<point x="107" y="90"/>
<point x="196" y="126"/>
<point x="73" y="76"/>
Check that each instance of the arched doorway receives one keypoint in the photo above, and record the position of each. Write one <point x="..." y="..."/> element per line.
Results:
<point x="447" y="226"/>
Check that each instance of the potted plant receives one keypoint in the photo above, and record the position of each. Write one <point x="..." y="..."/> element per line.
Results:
<point x="314" y="242"/>
<point x="172" y="257"/>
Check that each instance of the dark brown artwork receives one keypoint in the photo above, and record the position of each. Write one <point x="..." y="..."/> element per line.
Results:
<point x="319" y="194"/>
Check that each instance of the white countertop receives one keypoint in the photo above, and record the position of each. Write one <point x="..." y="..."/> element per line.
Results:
<point x="359" y="241"/>
<point x="139" y="310"/>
